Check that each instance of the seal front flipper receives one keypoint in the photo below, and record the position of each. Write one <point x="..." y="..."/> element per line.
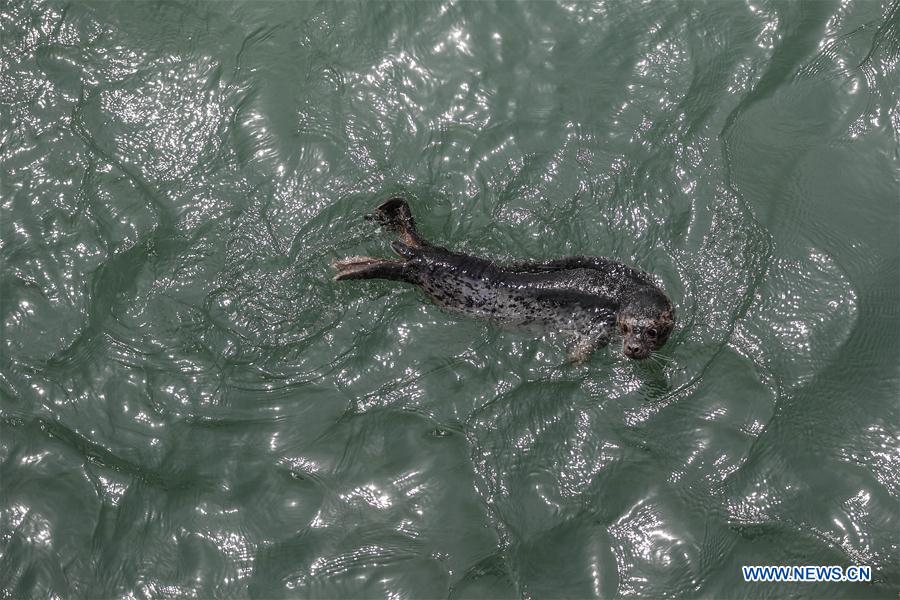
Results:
<point x="580" y="351"/>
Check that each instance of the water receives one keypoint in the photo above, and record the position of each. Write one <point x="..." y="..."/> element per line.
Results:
<point x="192" y="408"/>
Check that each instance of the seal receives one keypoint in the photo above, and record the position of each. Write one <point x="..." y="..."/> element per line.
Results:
<point x="589" y="298"/>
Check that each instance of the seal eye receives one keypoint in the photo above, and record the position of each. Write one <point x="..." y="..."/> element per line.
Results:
<point x="624" y="328"/>
<point x="651" y="333"/>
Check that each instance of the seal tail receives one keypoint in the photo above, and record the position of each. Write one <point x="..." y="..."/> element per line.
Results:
<point x="365" y="267"/>
<point x="394" y="214"/>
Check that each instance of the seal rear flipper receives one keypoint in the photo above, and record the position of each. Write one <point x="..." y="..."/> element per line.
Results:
<point x="395" y="215"/>
<point x="404" y="250"/>
<point x="365" y="267"/>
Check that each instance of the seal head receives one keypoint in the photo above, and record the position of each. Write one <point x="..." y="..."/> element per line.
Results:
<point x="646" y="320"/>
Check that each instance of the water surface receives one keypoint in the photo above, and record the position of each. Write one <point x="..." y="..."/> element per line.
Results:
<point x="192" y="408"/>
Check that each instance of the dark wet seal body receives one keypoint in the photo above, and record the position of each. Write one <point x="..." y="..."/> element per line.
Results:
<point x="589" y="298"/>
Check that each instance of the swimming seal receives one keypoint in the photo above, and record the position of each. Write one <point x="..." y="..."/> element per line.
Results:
<point x="590" y="298"/>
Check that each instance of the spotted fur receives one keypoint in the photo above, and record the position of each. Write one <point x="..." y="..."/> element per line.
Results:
<point x="588" y="298"/>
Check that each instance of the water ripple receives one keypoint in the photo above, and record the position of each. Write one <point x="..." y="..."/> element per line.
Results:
<point x="191" y="408"/>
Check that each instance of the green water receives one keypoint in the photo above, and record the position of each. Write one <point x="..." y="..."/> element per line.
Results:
<point x="192" y="408"/>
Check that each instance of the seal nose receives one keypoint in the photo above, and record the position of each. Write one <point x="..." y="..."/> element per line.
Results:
<point x="632" y="349"/>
